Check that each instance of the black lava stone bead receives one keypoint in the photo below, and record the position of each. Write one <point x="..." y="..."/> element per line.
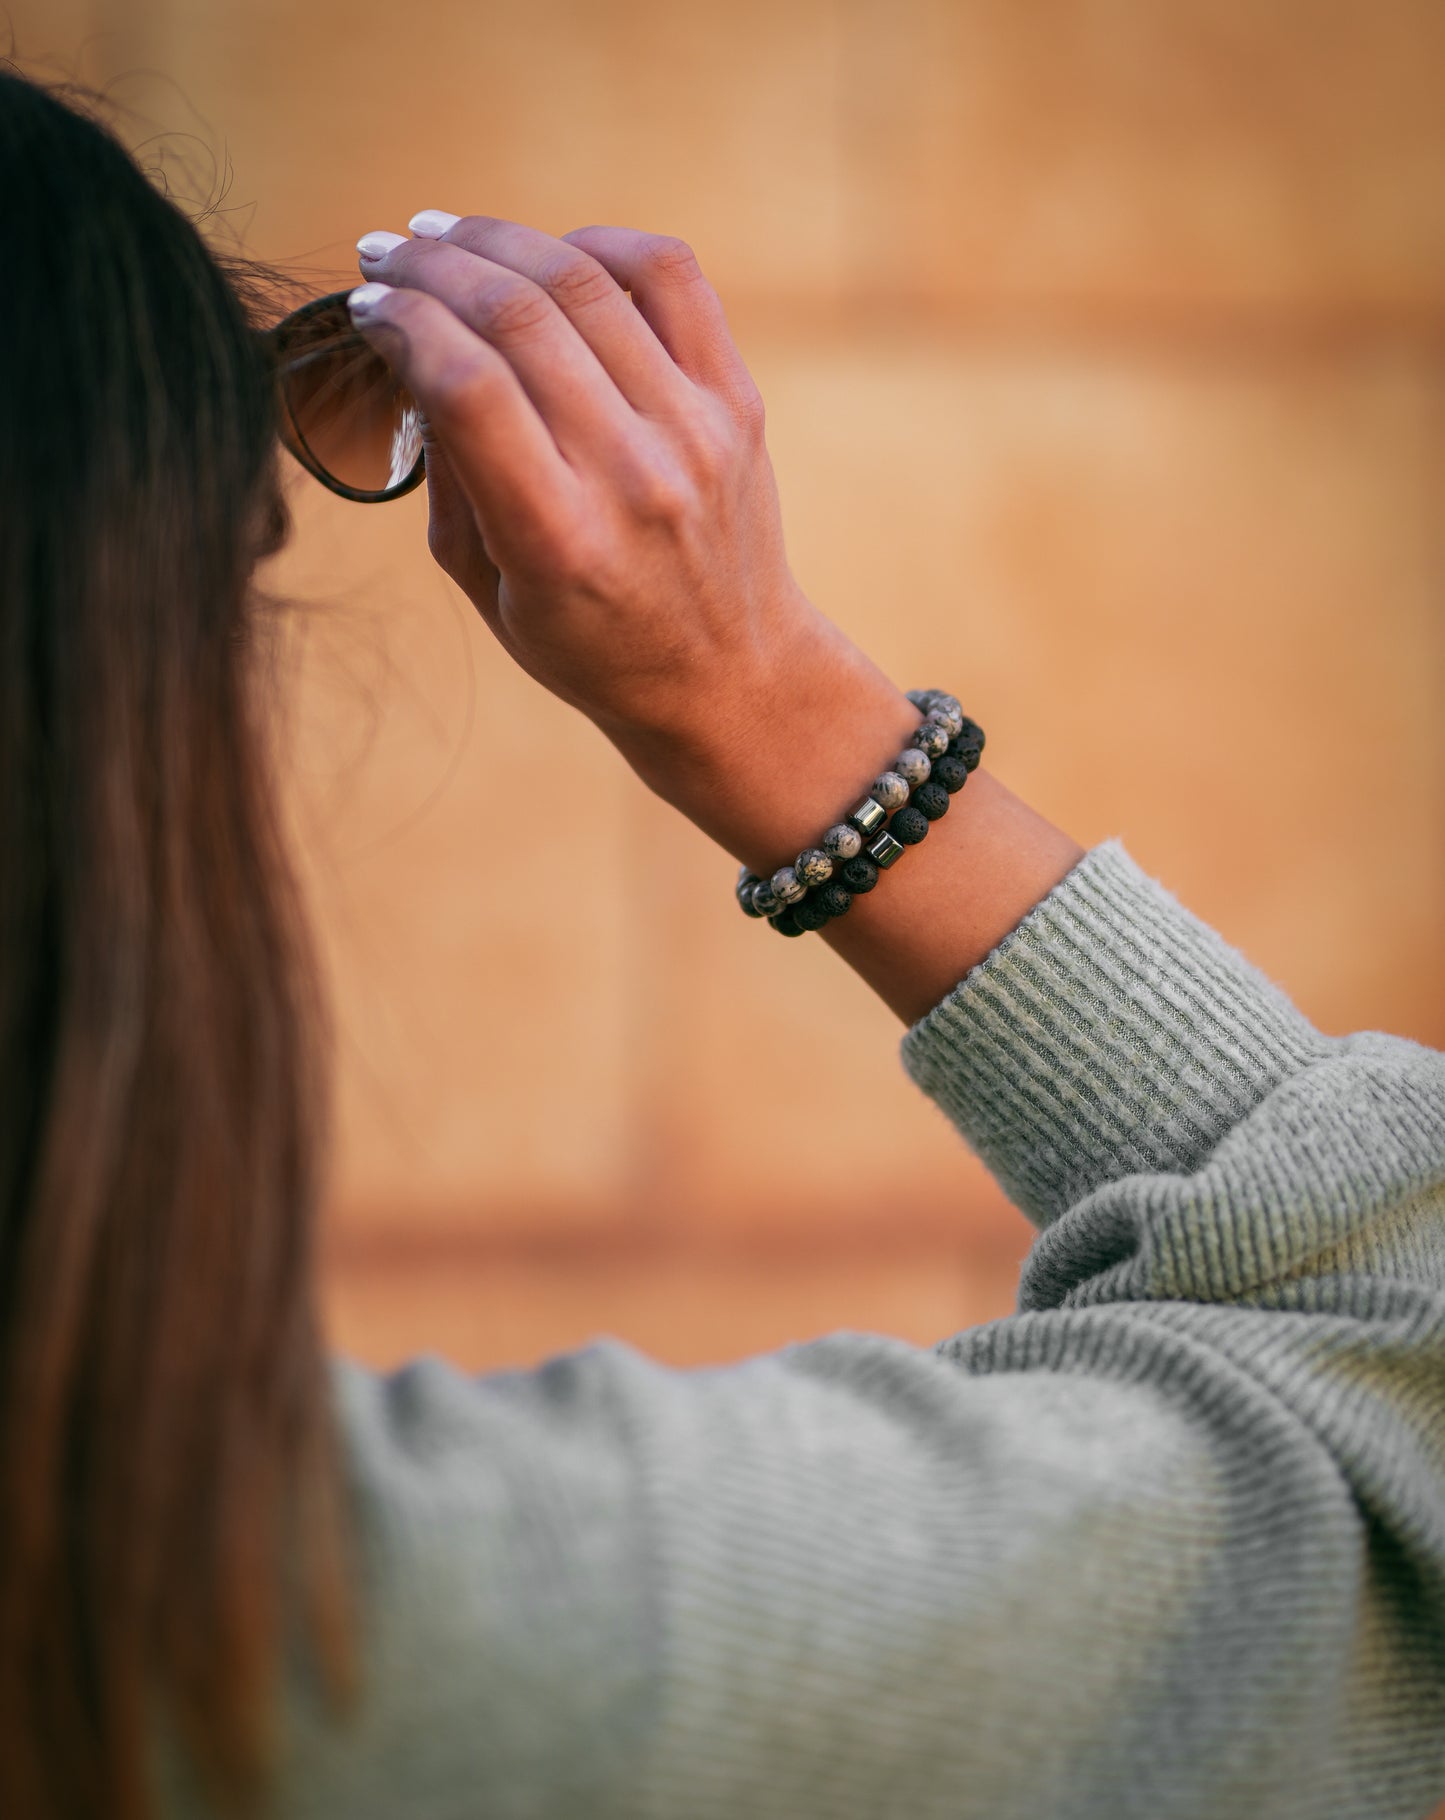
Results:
<point x="970" y="734"/>
<point x="785" y="922"/>
<point x="859" y="875"/>
<point x="809" y="915"/>
<point x="950" y="772"/>
<point x="930" y="799"/>
<point x="909" y="826"/>
<point x="970" y="750"/>
<point x="833" y="898"/>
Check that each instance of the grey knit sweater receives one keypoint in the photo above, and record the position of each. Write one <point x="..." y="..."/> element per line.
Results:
<point x="1169" y="1542"/>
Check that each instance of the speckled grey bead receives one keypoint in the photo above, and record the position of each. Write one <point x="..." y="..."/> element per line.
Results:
<point x="913" y="765"/>
<point x="868" y="817"/>
<point x="949" y="716"/>
<point x="884" y="850"/>
<point x="929" y="737"/>
<point x="933" y="698"/>
<point x="746" y="885"/>
<point x="788" y="888"/>
<point x="890" y="790"/>
<point x="813" y="866"/>
<point x="765" y="899"/>
<point x="841" y="841"/>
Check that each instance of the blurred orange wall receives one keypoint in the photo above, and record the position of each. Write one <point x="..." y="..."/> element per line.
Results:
<point x="1104" y="351"/>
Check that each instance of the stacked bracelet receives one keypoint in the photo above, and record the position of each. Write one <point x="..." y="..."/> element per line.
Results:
<point x="822" y="881"/>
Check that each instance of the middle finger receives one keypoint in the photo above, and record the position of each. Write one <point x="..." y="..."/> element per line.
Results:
<point x="571" y="389"/>
<point x="588" y="295"/>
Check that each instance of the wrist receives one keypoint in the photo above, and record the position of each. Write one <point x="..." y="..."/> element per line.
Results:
<point x="787" y="747"/>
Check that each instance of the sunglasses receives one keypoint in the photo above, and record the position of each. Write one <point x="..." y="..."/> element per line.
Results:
<point x="344" y="415"/>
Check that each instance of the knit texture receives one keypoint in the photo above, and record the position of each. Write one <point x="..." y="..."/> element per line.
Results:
<point x="1166" y="1543"/>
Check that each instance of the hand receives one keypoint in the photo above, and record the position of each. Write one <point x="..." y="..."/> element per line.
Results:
<point x="598" y="480"/>
<point x="600" y="487"/>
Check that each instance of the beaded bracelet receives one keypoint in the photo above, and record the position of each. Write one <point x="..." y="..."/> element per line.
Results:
<point x="822" y="881"/>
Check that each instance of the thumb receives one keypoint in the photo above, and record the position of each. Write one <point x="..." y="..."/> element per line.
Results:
<point x="452" y="534"/>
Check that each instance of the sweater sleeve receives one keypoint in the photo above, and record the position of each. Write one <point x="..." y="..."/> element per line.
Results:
<point x="1169" y="1541"/>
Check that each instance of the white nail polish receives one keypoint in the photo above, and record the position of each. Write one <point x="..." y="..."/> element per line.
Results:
<point x="364" y="299"/>
<point x="378" y="243"/>
<point x="431" y="224"/>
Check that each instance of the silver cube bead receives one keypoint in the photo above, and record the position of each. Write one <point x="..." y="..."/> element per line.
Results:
<point x="868" y="817"/>
<point x="884" y="850"/>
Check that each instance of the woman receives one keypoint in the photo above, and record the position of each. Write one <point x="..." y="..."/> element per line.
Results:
<point x="1169" y="1541"/>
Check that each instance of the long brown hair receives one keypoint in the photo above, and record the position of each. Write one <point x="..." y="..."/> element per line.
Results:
<point x="168" y="1472"/>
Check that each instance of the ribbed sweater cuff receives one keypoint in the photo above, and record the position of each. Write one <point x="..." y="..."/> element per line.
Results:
<point x="1111" y="1032"/>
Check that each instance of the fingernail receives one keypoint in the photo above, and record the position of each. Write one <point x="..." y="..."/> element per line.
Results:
<point x="364" y="299"/>
<point x="378" y="243"/>
<point x="431" y="224"/>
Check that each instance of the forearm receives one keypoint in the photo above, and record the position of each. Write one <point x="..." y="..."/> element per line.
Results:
<point x="766" y="766"/>
<point x="953" y="898"/>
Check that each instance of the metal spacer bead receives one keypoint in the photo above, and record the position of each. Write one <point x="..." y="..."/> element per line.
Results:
<point x="885" y="850"/>
<point x="868" y="817"/>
